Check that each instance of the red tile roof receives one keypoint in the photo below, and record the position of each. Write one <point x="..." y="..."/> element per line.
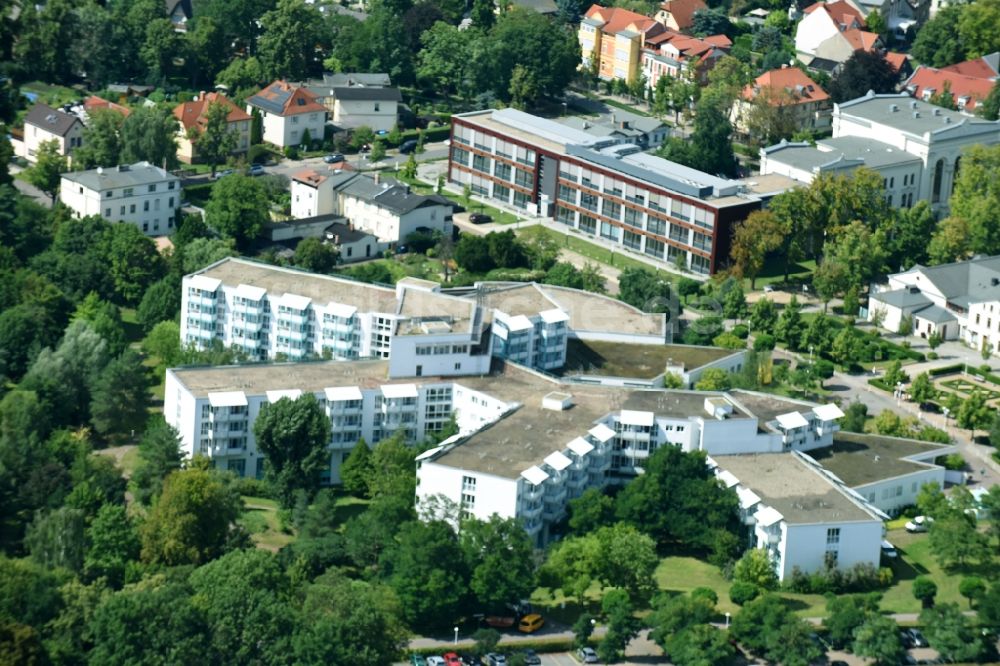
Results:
<point x="974" y="88"/>
<point x="860" y="40"/>
<point x="309" y="177"/>
<point x="897" y="60"/>
<point x="93" y="103"/>
<point x="286" y="99"/>
<point x="721" y="41"/>
<point x="617" y="19"/>
<point x="842" y="13"/>
<point x="195" y="114"/>
<point x="791" y="80"/>
<point x="683" y="11"/>
<point x="977" y="68"/>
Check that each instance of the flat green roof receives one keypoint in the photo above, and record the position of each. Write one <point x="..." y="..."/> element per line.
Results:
<point x="859" y="458"/>
<point x="617" y="359"/>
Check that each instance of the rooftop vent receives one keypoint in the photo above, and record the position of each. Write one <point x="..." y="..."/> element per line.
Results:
<point x="913" y="103"/>
<point x="937" y="111"/>
<point x="893" y="108"/>
<point x="994" y="282"/>
<point x="557" y="402"/>
<point x="718" y="408"/>
<point x="947" y="120"/>
<point x="916" y="114"/>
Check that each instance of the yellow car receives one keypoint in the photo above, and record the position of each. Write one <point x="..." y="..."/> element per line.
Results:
<point x="531" y="623"/>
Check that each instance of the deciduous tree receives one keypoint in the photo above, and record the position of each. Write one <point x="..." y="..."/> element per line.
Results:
<point x="238" y="209"/>
<point x="149" y="134"/>
<point x="293" y="435"/>
<point x="753" y="239"/>
<point x="49" y="167"/>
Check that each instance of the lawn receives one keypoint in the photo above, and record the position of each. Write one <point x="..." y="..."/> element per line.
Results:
<point x="260" y="518"/>
<point x="599" y="254"/>
<point x="915" y="559"/>
<point x="774" y="273"/>
<point x="499" y="216"/>
<point x="51" y="94"/>
<point x="625" y="107"/>
<point x="612" y="359"/>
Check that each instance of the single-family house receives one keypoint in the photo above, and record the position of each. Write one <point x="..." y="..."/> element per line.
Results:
<point x="792" y="92"/>
<point x="95" y="103"/>
<point x="678" y="15"/>
<point x="44" y="123"/>
<point x="676" y="55"/>
<point x="142" y="194"/>
<point x="289" y="114"/>
<point x="193" y="117"/>
<point x="832" y="31"/>
<point x="179" y="12"/>
<point x="356" y="100"/>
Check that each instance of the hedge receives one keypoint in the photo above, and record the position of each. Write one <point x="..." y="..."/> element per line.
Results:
<point x="880" y="384"/>
<point x="946" y="370"/>
<point x="541" y="645"/>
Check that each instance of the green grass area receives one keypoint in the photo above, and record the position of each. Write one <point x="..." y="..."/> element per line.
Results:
<point x="774" y="273"/>
<point x="499" y="216"/>
<point x="198" y="194"/>
<point x="915" y="559"/>
<point x="129" y="460"/>
<point x="625" y="107"/>
<point x="260" y="519"/>
<point x="612" y="359"/>
<point x="51" y="94"/>
<point x="416" y="185"/>
<point x="591" y="251"/>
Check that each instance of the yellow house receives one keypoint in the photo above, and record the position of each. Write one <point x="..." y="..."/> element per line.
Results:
<point x="615" y="37"/>
<point x="193" y="116"/>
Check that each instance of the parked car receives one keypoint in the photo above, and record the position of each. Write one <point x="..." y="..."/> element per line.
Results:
<point x="496" y="659"/>
<point x="919" y="524"/>
<point x="223" y="172"/>
<point x="407" y="146"/>
<point x="529" y="624"/>
<point x="480" y="218"/>
<point x="888" y="550"/>
<point x="917" y="638"/>
<point x="531" y="658"/>
<point x="435" y="660"/>
<point x="587" y="655"/>
<point x="470" y="660"/>
<point x="256" y="170"/>
<point x="333" y="158"/>
<point x="768" y="288"/>
<point x="452" y="659"/>
<point x="417" y="660"/>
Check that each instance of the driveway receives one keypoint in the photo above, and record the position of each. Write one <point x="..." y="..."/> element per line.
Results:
<point x="29" y="190"/>
<point x="392" y="161"/>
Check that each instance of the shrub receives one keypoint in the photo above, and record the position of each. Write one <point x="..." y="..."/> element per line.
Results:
<point x="933" y="356"/>
<point x="954" y="462"/>
<point x="292" y="152"/>
<point x="705" y="593"/>
<point x="741" y="331"/>
<point x="258" y="154"/>
<point x="743" y="593"/>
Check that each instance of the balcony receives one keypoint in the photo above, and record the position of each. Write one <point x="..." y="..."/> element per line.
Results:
<point x="254" y="309"/>
<point x="578" y="480"/>
<point x="531" y="510"/>
<point x="532" y="493"/>
<point x="201" y="301"/>
<point x="827" y="428"/>
<point x="552" y="513"/>
<point x="556" y="494"/>
<point x="291" y="319"/>
<point x="532" y="527"/>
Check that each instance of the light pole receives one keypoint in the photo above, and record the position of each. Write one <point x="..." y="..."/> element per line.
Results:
<point x="456" y="635"/>
<point x="727" y="620"/>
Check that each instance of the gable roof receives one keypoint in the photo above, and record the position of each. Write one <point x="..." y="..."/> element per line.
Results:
<point x="616" y="19"/>
<point x="987" y="67"/>
<point x="195" y="113"/>
<point x="682" y="11"/>
<point x="787" y="84"/>
<point x="844" y="14"/>
<point x="53" y="121"/>
<point x="95" y="103"/>
<point x="896" y="60"/>
<point x="860" y="40"/>
<point x="389" y="194"/>
<point x="931" y="80"/>
<point x="284" y="99"/>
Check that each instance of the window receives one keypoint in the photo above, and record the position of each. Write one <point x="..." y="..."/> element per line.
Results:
<point x="612" y="210"/>
<point x="832" y="536"/>
<point x="938" y="177"/>
<point x="480" y="163"/>
<point x="127" y="192"/>
<point x="152" y="188"/>
<point x="376" y="107"/>
<point x="502" y="171"/>
<point x="107" y="212"/>
<point x="469" y="483"/>
<point x="468" y="501"/>
<point x="523" y="178"/>
<point x="122" y="211"/>
<point x="145" y="206"/>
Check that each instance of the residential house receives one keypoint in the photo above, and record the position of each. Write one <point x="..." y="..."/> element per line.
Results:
<point x="353" y="244"/>
<point x="385" y="208"/>
<point x="969" y="82"/>
<point x="193" y="118"/>
<point x="958" y="301"/>
<point x="288" y="114"/>
<point x="615" y="37"/>
<point x="180" y="12"/>
<point x="43" y="123"/>
<point x="677" y="55"/>
<point x="900" y="16"/>
<point x="678" y="15"/>
<point x="832" y="31"/>
<point x="142" y="194"/>
<point x="916" y="147"/>
<point x="356" y="100"/>
<point x="791" y="91"/>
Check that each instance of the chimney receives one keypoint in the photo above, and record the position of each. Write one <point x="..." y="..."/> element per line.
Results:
<point x="201" y="95"/>
<point x="613" y="119"/>
<point x="937" y="111"/>
<point x="377" y="179"/>
<point x="916" y="114"/>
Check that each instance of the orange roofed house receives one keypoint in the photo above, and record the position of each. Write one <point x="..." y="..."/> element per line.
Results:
<point x="970" y="82"/>
<point x="793" y="91"/>
<point x="615" y="37"/>
<point x="673" y="54"/>
<point x="678" y="15"/>
<point x="289" y="113"/>
<point x="194" y="116"/>
<point x="832" y="31"/>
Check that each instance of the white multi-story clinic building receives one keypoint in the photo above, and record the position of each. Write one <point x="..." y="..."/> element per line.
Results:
<point x="141" y="194"/>
<point x="274" y="312"/>
<point x="529" y="443"/>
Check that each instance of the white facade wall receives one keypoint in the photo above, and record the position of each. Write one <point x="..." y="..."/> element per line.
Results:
<point x="379" y="115"/>
<point x="981" y="326"/>
<point x="153" y="212"/>
<point x="284" y="131"/>
<point x="806" y="546"/>
<point x="390" y="227"/>
<point x="430" y="355"/>
<point x="309" y="201"/>
<point x="814" y="29"/>
<point x="891" y="495"/>
<point x="35" y="136"/>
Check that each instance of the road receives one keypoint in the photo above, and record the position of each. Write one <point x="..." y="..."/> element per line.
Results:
<point x="28" y="189"/>
<point x="393" y="160"/>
